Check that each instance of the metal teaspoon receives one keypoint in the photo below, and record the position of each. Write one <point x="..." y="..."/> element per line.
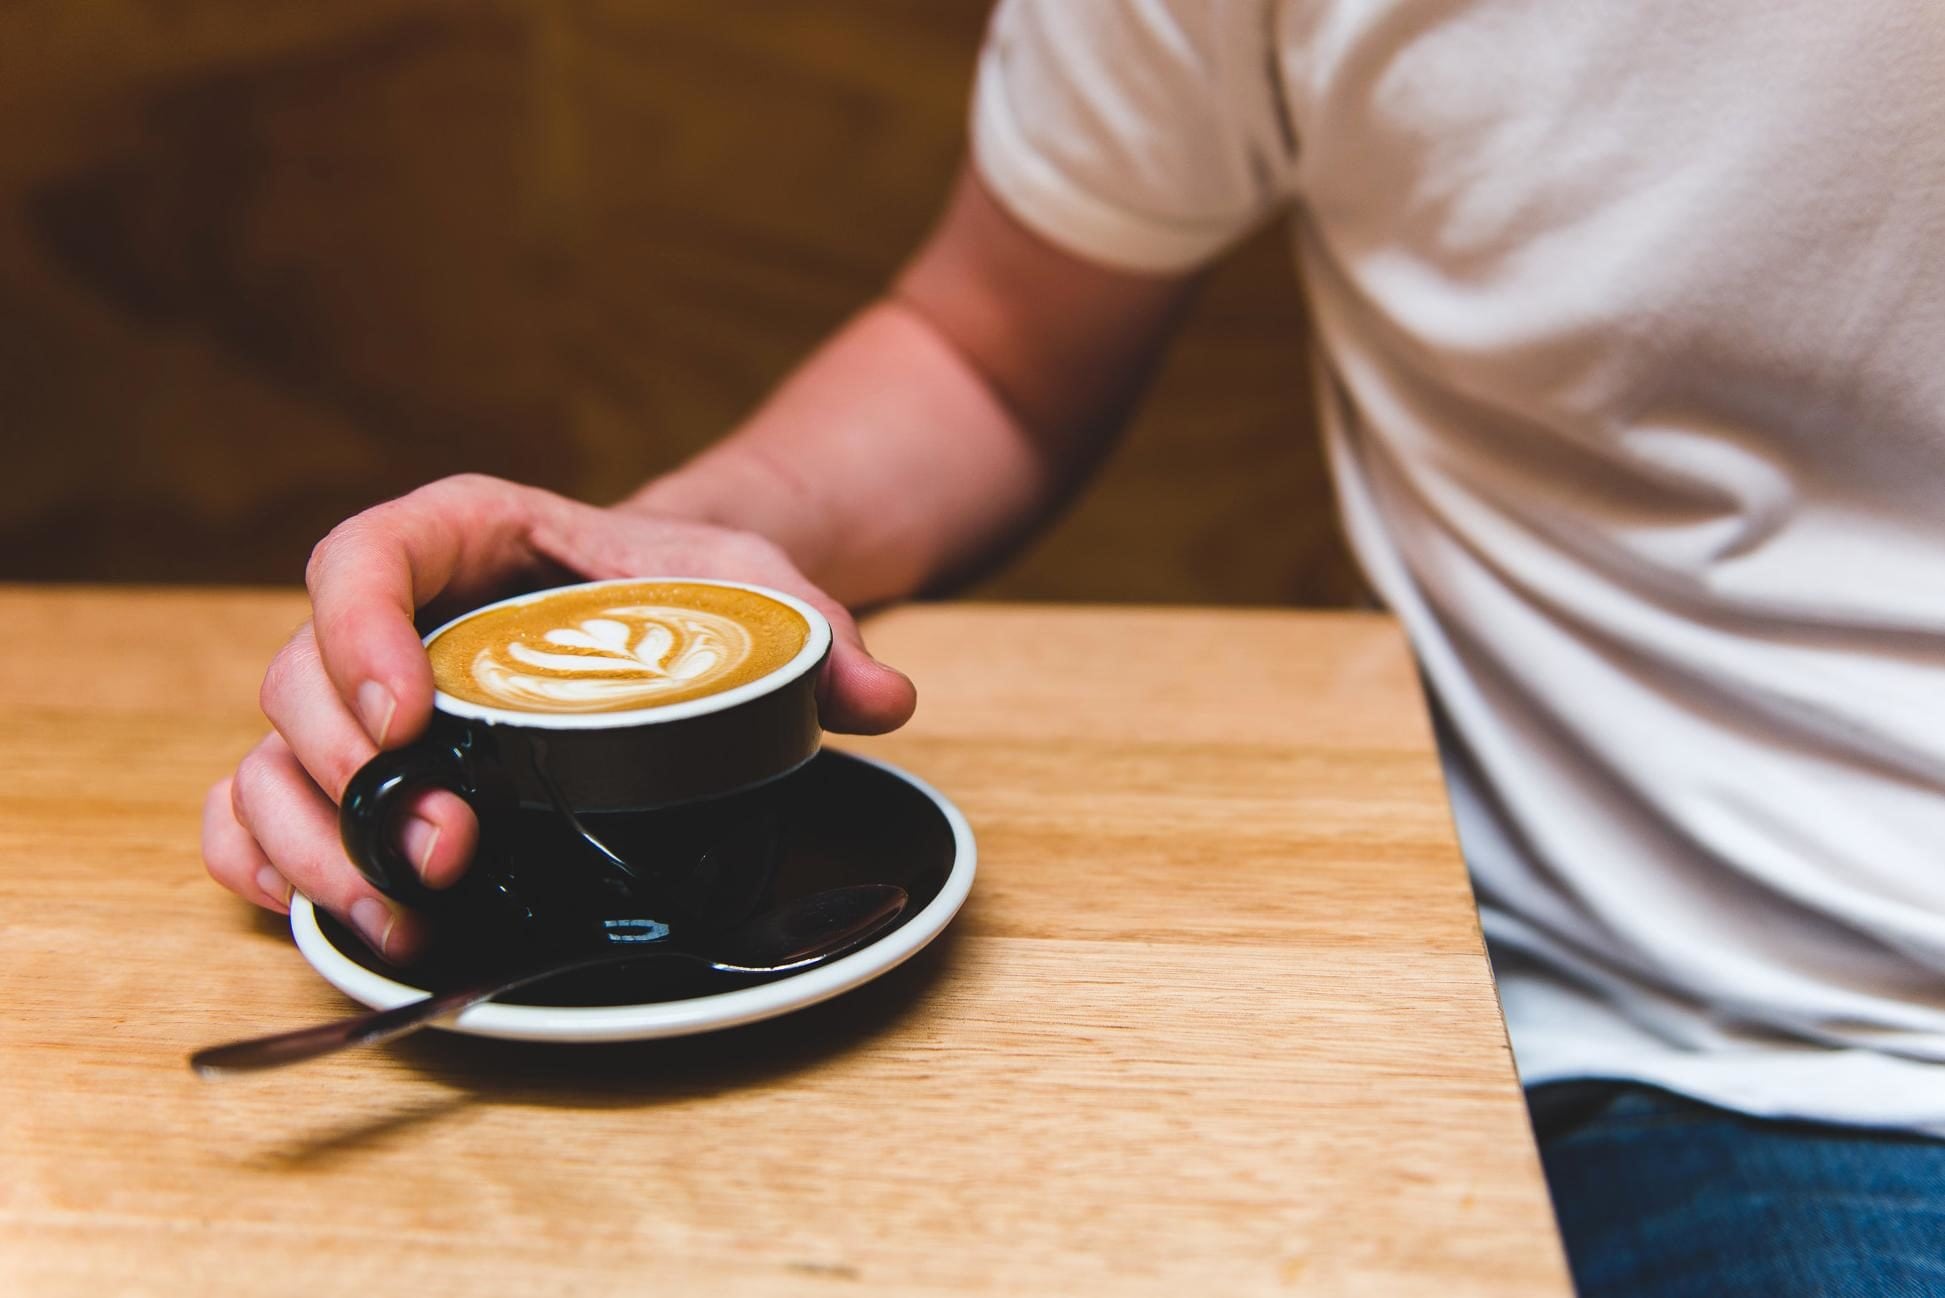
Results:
<point x="795" y="936"/>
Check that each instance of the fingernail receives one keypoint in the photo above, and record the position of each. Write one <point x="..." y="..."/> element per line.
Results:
<point x="418" y="838"/>
<point x="274" y="886"/>
<point x="375" y="708"/>
<point x="374" y="919"/>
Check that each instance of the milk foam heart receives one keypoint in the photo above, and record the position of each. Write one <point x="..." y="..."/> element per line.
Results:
<point x="616" y="648"/>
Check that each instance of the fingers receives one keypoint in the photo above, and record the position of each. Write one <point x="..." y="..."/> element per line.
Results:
<point x="438" y="831"/>
<point x="474" y="534"/>
<point x="356" y="678"/>
<point x="233" y="858"/>
<point x="370" y="576"/>
<point x="304" y="706"/>
<point x="362" y="587"/>
<point x="295" y="831"/>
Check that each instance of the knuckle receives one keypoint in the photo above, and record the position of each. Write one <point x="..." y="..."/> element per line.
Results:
<point x="278" y="679"/>
<point x="325" y="552"/>
<point x="318" y="557"/>
<point x="457" y="490"/>
<point x="335" y="624"/>
<point x="219" y="865"/>
<point x="218" y="871"/>
<point x="247" y="786"/>
<point x="747" y="549"/>
<point x="462" y="490"/>
<point x="331" y="540"/>
<point x="216" y="802"/>
<point x="335" y="770"/>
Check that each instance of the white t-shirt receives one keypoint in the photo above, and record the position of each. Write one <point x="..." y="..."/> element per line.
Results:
<point x="1631" y="320"/>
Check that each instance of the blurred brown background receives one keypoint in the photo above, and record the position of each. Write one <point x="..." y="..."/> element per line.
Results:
<point x="264" y="264"/>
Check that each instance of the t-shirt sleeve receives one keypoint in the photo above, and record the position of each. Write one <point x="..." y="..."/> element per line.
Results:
<point x="1136" y="133"/>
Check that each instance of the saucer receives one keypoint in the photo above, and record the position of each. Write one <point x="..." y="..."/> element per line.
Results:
<point x="853" y="820"/>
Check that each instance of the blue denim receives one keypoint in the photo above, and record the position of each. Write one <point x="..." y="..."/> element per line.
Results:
<point x="1662" y="1197"/>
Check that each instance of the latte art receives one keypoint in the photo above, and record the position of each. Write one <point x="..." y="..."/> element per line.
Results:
<point x="628" y="657"/>
<point x="615" y="648"/>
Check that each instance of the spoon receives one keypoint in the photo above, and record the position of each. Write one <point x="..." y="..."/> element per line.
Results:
<point x="798" y="935"/>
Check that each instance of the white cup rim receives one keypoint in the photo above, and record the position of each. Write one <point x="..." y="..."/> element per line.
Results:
<point x="816" y="645"/>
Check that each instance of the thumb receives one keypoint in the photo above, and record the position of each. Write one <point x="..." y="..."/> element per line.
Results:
<point x="858" y="695"/>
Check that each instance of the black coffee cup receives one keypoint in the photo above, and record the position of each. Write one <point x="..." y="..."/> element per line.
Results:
<point x="658" y="817"/>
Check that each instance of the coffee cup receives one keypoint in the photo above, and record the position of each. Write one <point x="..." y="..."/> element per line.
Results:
<point x="621" y="743"/>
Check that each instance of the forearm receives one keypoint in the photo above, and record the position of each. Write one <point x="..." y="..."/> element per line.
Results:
<point x="945" y="421"/>
<point x="885" y="462"/>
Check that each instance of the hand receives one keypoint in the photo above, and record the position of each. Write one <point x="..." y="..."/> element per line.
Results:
<point x="354" y="679"/>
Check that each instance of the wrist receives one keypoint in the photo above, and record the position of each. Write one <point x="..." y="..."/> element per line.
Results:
<point x="731" y="486"/>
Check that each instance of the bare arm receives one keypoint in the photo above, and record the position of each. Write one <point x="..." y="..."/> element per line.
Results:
<point x="933" y="431"/>
<point x="946" y="420"/>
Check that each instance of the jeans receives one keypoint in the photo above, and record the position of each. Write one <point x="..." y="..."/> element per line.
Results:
<point x="1663" y="1197"/>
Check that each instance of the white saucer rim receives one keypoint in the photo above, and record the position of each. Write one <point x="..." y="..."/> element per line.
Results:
<point x="593" y="1023"/>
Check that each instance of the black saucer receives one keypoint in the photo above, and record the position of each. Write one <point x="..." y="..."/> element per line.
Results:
<point x="848" y="821"/>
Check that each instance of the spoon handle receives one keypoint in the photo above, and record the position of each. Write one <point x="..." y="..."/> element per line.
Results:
<point x="280" y="1048"/>
<point x="809" y="931"/>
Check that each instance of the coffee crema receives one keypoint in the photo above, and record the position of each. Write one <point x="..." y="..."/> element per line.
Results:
<point x="616" y="648"/>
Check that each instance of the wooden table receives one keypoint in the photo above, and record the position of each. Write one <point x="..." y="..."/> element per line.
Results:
<point x="1216" y="1020"/>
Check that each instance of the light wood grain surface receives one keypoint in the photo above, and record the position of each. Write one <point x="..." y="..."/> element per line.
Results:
<point x="1216" y="1020"/>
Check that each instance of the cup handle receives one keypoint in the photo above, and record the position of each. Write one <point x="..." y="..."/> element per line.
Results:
<point x="370" y="805"/>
